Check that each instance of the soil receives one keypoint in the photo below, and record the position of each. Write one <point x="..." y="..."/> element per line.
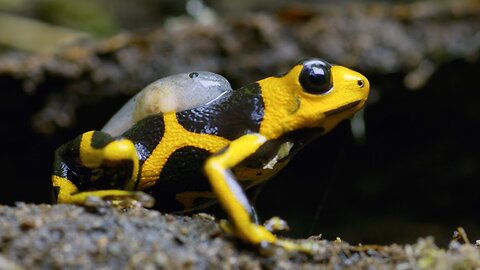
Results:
<point x="73" y="237"/>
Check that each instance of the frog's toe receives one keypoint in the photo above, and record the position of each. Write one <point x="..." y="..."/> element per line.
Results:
<point x="306" y="247"/>
<point x="266" y="241"/>
<point x="250" y="233"/>
<point x="118" y="198"/>
<point x="226" y="226"/>
<point x="276" y="224"/>
<point x="130" y="199"/>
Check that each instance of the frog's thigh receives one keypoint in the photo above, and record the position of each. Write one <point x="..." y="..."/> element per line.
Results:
<point x="98" y="148"/>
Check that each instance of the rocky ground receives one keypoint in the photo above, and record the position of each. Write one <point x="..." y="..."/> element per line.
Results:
<point x="73" y="237"/>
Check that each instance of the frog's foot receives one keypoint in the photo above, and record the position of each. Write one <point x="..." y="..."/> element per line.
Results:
<point x="65" y="191"/>
<point x="265" y="240"/>
<point x="120" y="199"/>
<point x="251" y="233"/>
<point x="307" y="247"/>
<point x="276" y="224"/>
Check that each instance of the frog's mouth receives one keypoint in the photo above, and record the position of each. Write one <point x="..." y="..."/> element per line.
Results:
<point x="342" y="108"/>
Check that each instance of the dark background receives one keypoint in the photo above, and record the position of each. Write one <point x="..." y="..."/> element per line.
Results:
<point x="414" y="172"/>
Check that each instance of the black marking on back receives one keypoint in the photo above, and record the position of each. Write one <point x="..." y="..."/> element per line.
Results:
<point x="100" y="139"/>
<point x="183" y="172"/>
<point x="236" y="113"/>
<point x="146" y="134"/>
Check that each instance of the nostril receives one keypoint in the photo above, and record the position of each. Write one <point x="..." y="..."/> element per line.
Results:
<point x="360" y="83"/>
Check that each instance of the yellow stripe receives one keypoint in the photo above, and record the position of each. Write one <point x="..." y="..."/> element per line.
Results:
<point x="89" y="156"/>
<point x="175" y="137"/>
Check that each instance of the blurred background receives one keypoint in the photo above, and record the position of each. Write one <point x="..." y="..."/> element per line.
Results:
<point x="408" y="166"/>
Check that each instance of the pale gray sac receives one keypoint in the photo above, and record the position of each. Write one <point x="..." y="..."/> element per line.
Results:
<point x="173" y="93"/>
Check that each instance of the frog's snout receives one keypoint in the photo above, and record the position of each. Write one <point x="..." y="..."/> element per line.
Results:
<point x="362" y="85"/>
<point x="350" y="79"/>
<point x="363" y="82"/>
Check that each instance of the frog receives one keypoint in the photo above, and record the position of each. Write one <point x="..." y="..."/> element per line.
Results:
<point x="193" y="154"/>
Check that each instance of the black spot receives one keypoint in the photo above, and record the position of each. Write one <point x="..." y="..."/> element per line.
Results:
<point x="100" y="139"/>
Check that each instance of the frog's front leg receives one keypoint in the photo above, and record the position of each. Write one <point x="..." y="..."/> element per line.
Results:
<point x="229" y="193"/>
<point x="95" y="164"/>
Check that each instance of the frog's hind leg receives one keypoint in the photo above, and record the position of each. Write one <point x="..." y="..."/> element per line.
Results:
<point x="95" y="164"/>
<point x="100" y="150"/>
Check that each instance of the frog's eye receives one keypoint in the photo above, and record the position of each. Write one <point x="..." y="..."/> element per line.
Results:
<point x="316" y="77"/>
<point x="193" y="75"/>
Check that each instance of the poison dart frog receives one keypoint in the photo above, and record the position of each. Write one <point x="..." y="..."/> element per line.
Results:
<point x="190" y="138"/>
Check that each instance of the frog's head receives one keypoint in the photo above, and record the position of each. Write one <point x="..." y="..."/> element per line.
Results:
<point x="312" y="94"/>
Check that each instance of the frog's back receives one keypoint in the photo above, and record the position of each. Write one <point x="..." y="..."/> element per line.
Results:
<point x="173" y="146"/>
<point x="235" y="114"/>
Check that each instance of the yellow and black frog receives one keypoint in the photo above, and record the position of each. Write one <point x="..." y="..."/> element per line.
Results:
<point x="189" y="138"/>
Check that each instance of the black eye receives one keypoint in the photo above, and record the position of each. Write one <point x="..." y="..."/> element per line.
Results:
<point x="193" y="75"/>
<point x="316" y="77"/>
